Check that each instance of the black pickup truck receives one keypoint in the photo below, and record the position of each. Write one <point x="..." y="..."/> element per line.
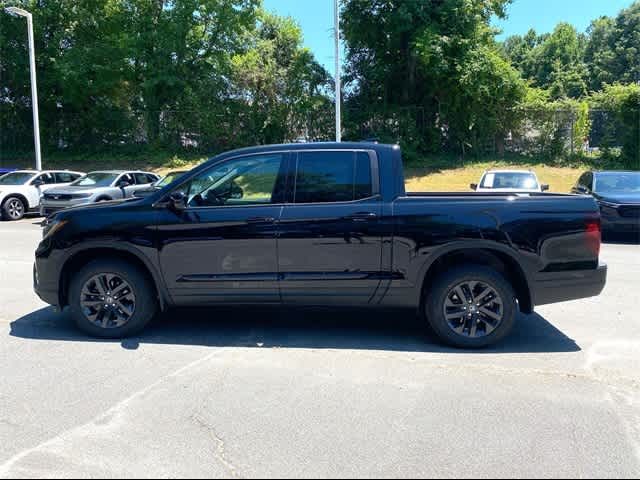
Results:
<point x="320" y="224"/>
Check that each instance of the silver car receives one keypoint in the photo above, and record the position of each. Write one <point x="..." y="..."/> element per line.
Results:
<point x="96" y="187"/>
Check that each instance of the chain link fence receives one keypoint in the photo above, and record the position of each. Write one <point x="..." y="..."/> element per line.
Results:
<point x="561" y="133"/>
<point x="549" y="134"/>
<point x="198" y="131"/>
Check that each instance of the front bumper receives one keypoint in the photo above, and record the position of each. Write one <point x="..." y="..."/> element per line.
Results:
<point x="48" y="292"/>
<point x="614" y="220"/>
<point x="49" y="207"/>
<point x="554" y="287"/>
<point x="620" y="225"/>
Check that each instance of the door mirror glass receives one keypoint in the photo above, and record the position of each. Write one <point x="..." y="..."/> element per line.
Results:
<point x="178" y="200"/>
<point x="544" y="187"/>
<point x="123" y="184"/>
<point x="474" y="186"/>
<point x="38" y="182"/>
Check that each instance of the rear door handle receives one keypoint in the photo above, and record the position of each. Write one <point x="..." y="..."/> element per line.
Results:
<point x="261" y="220"/>
<point x="362" y="216"/>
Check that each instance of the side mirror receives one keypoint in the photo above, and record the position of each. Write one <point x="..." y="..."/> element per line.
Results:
<point x="474" y="186"/>
<point x="37" y="183"/>
<point x="178" y="200"/>
<point x="544" y="187"/>
<point x="123" y="184"/>
<point x="582" y="189"/>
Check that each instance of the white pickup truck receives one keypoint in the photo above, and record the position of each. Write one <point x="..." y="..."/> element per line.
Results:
<point x="509" y="181"/>
<point x="20" y="191"/>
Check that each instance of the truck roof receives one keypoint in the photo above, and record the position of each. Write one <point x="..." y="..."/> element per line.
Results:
<point x="313" y="146"/>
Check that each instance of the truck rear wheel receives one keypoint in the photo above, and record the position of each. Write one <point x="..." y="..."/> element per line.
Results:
<point x="111" y="299"/>
<point x="471" y="307"/>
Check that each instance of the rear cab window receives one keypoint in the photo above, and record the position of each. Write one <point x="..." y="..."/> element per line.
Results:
<point x="516" y="180"/>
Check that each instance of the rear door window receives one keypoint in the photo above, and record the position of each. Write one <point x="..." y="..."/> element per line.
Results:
<point x="142" y="178"/>
<point x="47" y="178"/>
<point x="65" y="177"/>
<point x="329" y="177"/>
<point x="127" y="177"/>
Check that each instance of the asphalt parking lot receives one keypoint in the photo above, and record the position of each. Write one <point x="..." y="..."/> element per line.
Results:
<point x="312" y="393"/>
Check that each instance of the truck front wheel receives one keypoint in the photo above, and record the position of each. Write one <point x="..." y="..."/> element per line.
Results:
<point x="471" y="306"/>
<point x="111" y="299"/>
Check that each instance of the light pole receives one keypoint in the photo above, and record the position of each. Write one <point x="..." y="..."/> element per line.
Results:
<point x="336" y="19"/>
<point x="34" y="87"/>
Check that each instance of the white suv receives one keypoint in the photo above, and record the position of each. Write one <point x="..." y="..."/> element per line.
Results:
<point x="20" y="191"/>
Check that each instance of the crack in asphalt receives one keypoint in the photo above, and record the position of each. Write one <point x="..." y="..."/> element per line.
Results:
<point x="611" y="379"/>
<point x="220" y="453"/>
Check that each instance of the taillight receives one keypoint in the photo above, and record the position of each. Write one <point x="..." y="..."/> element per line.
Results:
<point x="594" y="236"/>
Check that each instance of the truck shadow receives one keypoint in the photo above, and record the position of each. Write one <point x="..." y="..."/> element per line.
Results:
<point x="309" y="328"/>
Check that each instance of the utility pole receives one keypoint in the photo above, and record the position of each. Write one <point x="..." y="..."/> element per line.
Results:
<point x="336" y="19"/>
<point x="638" y="152"/>
<point x="34" y="87"/>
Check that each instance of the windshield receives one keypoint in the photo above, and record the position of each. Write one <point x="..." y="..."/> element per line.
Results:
<point x="172" y="176"/>
<point x="16" y="178"/>
<point x="514" y="180"/>
<point x="96" y="179"/>
<point x="627" y="182"/>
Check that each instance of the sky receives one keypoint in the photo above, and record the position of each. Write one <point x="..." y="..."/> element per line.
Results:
<point x="316" y="18"/>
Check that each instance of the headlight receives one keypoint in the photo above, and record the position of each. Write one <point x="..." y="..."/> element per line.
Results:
<point x="52" y="226"/>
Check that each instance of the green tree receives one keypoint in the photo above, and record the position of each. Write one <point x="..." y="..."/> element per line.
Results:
<point x="519" y="51"/>
<point x="599" y="54"/>
<point x="279" y="83"/>
<point x="623" y="103"/>
<point x="558" y="63"/>
<point x="439" y="57"/>
<point x="613" y="51"/>
<point x="179" y="51"/>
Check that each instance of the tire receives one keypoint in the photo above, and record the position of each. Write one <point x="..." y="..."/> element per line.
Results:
<point x="442" y="301"/>
<point x="139" y="306"/>
<point x="13" y="208"/>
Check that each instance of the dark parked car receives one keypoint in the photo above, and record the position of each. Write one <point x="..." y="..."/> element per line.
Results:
<point x="618" y="195"/>
<point x="320" y="224"/>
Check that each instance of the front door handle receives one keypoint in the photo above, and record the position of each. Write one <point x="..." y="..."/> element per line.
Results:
<point x="261" y="220"/>
<point x="362" y="216"/>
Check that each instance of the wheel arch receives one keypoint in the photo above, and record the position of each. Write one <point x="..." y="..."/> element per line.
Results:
<point x="81" y="257"/>
<point x="501" y="261"/>
<point x="20" y="196"/>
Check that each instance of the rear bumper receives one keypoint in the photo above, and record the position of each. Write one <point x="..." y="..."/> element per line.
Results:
<point x="554" y="287"/>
